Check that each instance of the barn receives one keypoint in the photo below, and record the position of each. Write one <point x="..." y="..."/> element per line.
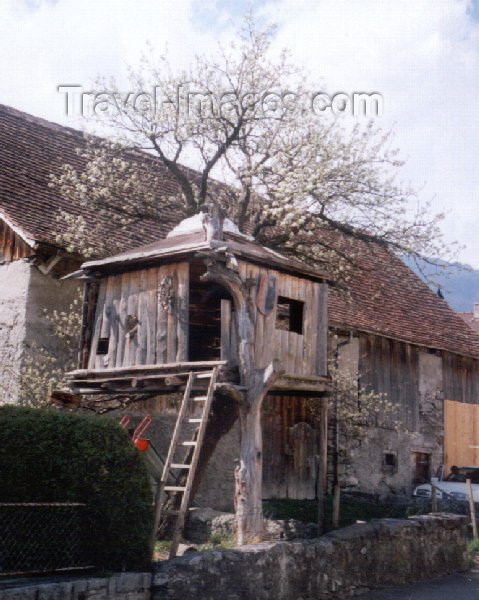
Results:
<point x="390" y="334"/>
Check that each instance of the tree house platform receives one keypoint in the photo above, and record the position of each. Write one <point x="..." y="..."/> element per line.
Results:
<point x="171" y="378"/>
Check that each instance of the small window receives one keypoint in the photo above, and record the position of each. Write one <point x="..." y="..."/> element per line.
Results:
<point x="389" y="463"/>
<point x="289" y="316"/>
<point x="102" y="347"/>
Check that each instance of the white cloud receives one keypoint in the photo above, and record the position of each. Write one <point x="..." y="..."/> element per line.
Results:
<point x="44" y="44"/>
<point x="422" y="56"/>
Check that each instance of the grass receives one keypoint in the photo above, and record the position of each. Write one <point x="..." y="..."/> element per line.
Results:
<point x="216" y="542"/>
<point x="219" y="542"/>
<point x="351" y="510"/>
<point x="473" y="547"/>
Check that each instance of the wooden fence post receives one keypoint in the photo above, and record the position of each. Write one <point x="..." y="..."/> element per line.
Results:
<point x="433" y="498"/>
<point x="336" y="501"/>
<point x="472" y="509"/>
<point x="323" y="466"/>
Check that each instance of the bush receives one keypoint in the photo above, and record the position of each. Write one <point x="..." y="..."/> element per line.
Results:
<point x="473" y="547"/>
<point x="48" y="456"/>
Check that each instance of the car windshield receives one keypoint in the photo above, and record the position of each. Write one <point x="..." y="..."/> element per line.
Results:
<point x="462" y="473"/>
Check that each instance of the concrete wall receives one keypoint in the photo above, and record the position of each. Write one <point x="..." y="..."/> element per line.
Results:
<point x="361" y="457"/>
<point x="349" y="561"/>
<point x="14" y="283"/>
<point x="25" y="294"/>
<point x="47" y="293"/>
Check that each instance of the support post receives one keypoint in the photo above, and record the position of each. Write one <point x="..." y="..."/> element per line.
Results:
<point x="323" y="465"/>
<point x="433" y="498"/>
<point x="336" y="503"/>
<point x="472" y="508"/>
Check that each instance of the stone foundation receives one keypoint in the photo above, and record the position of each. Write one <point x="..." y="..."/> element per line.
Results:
<point x="346" y="562"/>
<point x="204" y="523"/>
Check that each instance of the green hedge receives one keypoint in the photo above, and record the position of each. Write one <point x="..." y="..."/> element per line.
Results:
<point x="49" y="456"/>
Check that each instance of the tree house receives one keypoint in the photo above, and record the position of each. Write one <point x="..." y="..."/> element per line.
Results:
<point x="149" y="316"/>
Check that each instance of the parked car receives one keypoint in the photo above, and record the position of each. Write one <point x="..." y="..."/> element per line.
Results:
<point x="453" y="486"/>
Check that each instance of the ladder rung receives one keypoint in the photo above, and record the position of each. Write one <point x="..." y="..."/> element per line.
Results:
<point x="178" y="466"/>
<point x="204" y="375"/>
<point x="188" y="443"/>
<point x="171" y="512"/>
<point x="174" y="488"/>
<point x="200" y="398"/>
<point x="194" y="420"/>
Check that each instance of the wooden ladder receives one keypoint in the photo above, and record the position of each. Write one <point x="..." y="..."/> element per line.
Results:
<point x="163" y="488"/>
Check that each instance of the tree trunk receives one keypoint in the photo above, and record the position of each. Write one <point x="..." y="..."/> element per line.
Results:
<point x="256" y="382"/>
<point x="249" y="476"/>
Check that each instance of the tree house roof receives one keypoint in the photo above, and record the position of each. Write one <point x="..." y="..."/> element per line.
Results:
<point x="192" y="237"/>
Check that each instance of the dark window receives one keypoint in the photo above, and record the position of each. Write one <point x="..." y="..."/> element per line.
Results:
<point x="422" y="471"/>
<point x="289" y="316"/>
<point x="389" y="462"/>
<point x="102" y="347"/>
<point x="462" y="473"/>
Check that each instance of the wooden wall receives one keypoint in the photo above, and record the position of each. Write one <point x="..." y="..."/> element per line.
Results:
<point x="12" y="247"/>
<point x="461" y="378"/>
<point x="290" y="448"/>
<point x="391" y="367"/>
<point x="461" y="434"/>
<point x="161" y="333"/>
<point x="304" y="354"/>
<point x="461" y="410"/>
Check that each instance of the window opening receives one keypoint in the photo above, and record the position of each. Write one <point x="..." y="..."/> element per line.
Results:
<point x="102" y="347"/>
<point x="389" y="462"/>
<point x="289" y="315"/>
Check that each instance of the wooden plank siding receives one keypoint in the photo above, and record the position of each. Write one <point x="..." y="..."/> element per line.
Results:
<point x="460" y="378"/>
<point x="139" y="328"/>
<point x="461" y="434"/>
<point x="461" y="410"/>
<point x="391" y="368"/>
<point x="300" y="354"/>
<point x="12" y="247"/>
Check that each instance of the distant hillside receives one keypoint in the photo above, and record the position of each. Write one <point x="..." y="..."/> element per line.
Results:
<point x="460" y="285"/>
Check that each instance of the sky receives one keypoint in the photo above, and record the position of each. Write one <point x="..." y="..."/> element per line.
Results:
<point x="422" y="56"/>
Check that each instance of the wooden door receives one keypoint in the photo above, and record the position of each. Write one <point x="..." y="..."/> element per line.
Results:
<point x="290" y="449"/>
<point x="422" y="468"/>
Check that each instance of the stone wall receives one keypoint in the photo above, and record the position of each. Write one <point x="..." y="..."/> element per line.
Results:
<point x="362" y="464"/>
<point x="349" y="561"/>
<point x="122" y="586"/>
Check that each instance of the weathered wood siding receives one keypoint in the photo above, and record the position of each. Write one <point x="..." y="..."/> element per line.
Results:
<point x="300" y="354"/>
<point x="461" y="378"/>
<point x="12" y="247"/>
<point x="391" y="368"/>
<point x="142" y="325"/>
<point x="290" y="448"/>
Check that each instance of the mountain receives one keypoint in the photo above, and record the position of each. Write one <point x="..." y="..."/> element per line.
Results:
<point x="459" y="283"/>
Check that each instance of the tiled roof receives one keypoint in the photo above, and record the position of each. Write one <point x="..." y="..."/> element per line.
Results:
<point x="30" y="150"/>
<point x="386" y="297"/>
<point x="470" y="319"/>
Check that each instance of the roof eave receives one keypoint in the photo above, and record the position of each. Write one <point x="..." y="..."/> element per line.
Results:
<point x="29" y="240"/>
